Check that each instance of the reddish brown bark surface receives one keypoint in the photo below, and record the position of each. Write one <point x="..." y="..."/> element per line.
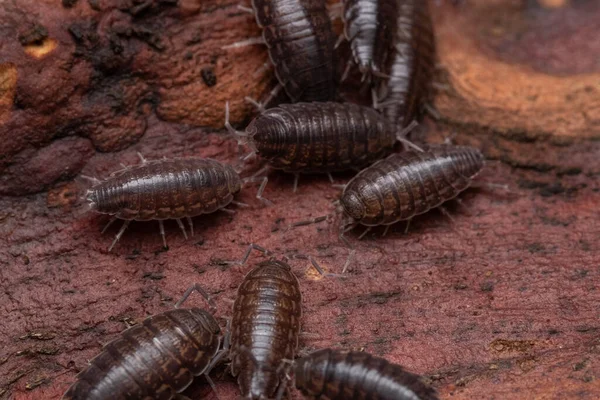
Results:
<point x="502" y="302"/>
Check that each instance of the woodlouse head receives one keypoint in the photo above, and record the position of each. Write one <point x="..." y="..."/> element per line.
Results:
<point x="353" y="205"/>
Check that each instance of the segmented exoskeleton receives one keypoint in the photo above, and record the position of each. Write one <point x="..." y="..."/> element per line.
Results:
<point x="319" y="137"/>
<point x="370" y="26"/>
<point x="165" y="189"/>
<point x="301" y="43"/>
<point x="338" y="375"/>
<point x="409" y="66"/>
<point x="265" y="328"/>
<point x="153" y="360"/>
<point x="409" y="183"/>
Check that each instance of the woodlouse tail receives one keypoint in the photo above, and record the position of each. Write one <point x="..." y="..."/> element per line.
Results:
<point x="85" y="196"/>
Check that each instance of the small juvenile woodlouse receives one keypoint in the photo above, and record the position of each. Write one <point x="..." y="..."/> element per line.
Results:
<point x="301" y="42"/>
<point x="165" y="189"/>
<point x="339" y="375"/>
<point x="154" y="360"/>
<point x="407" y="184"/>
<point x="370" y="26"/>
<point x="409" y="66"/>
<point x="319" y="137"/>
<point x="265" y="328"/>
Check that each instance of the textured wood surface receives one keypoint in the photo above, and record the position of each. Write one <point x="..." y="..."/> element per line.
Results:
<point x="501" y="302"/>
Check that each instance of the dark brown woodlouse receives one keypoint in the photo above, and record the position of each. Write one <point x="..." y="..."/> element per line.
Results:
<point x="319" y="137"/>
<point x="410" y="66"/>
<point x="407" y="184"/>
<point x="370" y="26"/>
<point x="153" y="360"/>
<point x="301" y="42"/>
<point x="339" y="375"/>
<point x="265" y="328"/>
<point x="165" y="189"/>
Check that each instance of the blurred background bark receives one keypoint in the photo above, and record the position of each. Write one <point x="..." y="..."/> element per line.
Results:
<point x="500" y="303"/>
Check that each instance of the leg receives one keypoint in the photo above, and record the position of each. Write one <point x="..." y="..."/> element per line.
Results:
<point x="310" y="221"/>
<point x="401" y="136"/>
<point x="263" y="183"/>
<point x="94" y="181"/>
<point x="407" y="225"/>
<point x="228" y="211"/>
<point x="244" y="43"/>
<point x="347" y="263"/>
<point x="246" y="255"/>
<point x="242" y="137"/>
<point x="330" y="178"/>
<point x="112" y="219"/>
<point x="142" y="159"/>
<point x="240" y="204"/>
<point x="245" y="9"/>
<point x="316" y="265"/>
<point x="432" y="111"/>
<point x="447" y="214"/>
<point x="196" y="287"/>
<point x="182" y="227"/>
<point x="259" y="106"/>
<point x="347" y="69"/>
<point x="191" y="224"/>
<point x="272" y="94"/>
<point x="365" y="232"/>
<point x="385" y="231"/>
<point x="296" y="177"/>
<point x="119" y="234"/>
<point x="260" y="191"/>
<point x="162" y="232"/>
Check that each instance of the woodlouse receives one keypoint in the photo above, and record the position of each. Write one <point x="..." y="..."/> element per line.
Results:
<point x="301" y="42"/>
<point x="155" y="359"/>
<point x="265" y="328"/>
<point x="407" y="184"/>
<point x="409" y="66"/>
<point x="319" y="137"/>
<point x="370" y="26"/>
<point x="339" y="375"/>
<point x="165" y="189"/>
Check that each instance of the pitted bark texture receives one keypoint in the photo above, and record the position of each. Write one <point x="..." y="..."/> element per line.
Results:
<point x="499" y="302"/>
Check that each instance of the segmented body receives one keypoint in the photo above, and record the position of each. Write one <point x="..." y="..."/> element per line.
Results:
<point x="165" y="189"/>
<point x="410" y="183"/>
<point x="153" y="360"/>
<point x="370" y="26"/>
<point x="301" y="43"/>
<point x="265" y="328"/>
<point x="411" y="64"/>
<point x="320" y="137"/>
<point x="336" y="375"/>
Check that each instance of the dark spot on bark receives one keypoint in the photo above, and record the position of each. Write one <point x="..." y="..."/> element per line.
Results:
<point x="188" y="56"/>
<point x="69" y="3"/>
<point x="196" y="38"/>
<point x="34" y="35"/>
<point x="536" y="248"/>
<point x="460" y="286"/>
<point x="487" y="287"/>
<point x="580" y="365"/>
<point x="553" y="332"/>
<point x="569" y="171"/>
<point x="208" y="75"/>
<point x="551" y="190"/>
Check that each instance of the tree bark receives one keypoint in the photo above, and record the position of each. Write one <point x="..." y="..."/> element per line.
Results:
<point x="499" y="302"/>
